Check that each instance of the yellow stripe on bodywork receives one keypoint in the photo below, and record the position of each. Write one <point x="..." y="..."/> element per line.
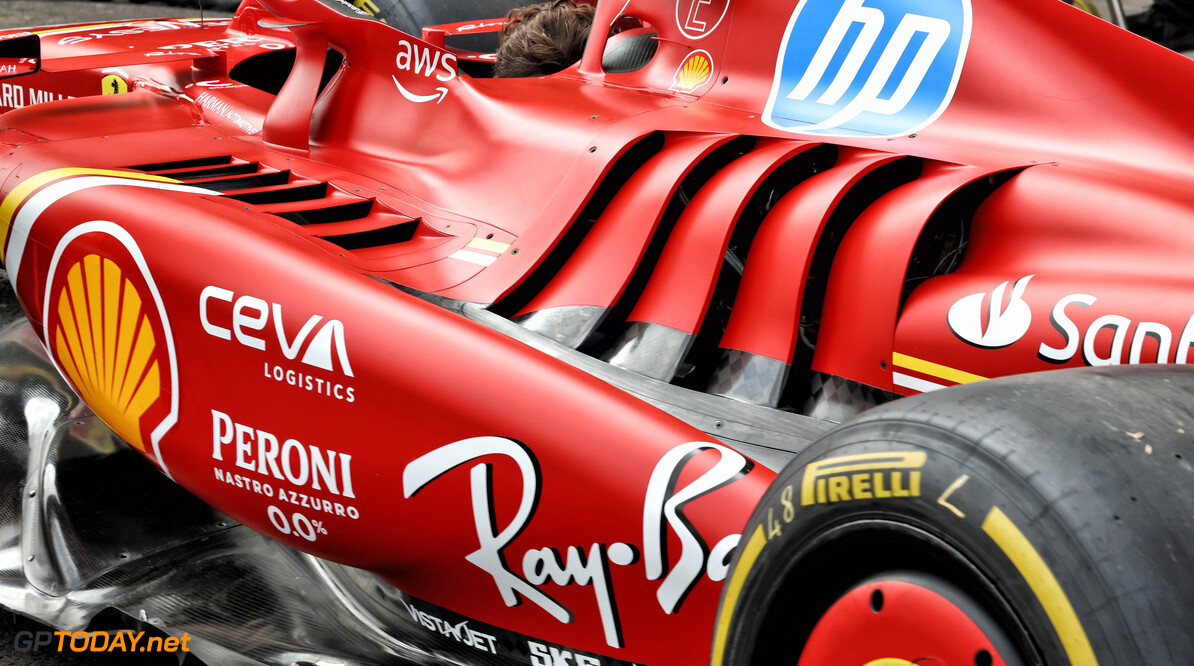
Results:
<point x="1048" y="591"/>
<point x="490" y="245"/>
<point x="112" y="24"/>
<point x="14" y="200"/>
<point x="934" y="369"/>
<point x="745" y="563"/>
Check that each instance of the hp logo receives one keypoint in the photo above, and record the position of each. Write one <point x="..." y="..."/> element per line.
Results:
<point x="868" y="67"/>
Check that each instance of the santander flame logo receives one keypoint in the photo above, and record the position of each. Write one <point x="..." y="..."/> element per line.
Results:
<point x="1004" y="324"/>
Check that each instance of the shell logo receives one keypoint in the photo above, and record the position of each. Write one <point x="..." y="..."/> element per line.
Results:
<point x="694" y="71"/>
<point x="107" y="344"/>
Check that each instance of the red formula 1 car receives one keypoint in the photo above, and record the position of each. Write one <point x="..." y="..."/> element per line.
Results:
<point x="578" y="369"/>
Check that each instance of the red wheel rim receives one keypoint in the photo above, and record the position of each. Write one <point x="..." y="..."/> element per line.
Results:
<point x="906" y="620"/>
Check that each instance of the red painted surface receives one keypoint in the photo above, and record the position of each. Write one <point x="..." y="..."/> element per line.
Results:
<point x="906" y="623"/>
<point x="275" y="345"/>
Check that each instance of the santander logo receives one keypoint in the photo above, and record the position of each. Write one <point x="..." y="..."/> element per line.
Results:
<point x="1004" y="324"/>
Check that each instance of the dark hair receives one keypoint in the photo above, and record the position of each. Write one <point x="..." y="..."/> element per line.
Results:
<point x="543" y="39"/>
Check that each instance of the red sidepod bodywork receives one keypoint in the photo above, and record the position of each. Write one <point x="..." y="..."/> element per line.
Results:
<point x="212" y="265"/>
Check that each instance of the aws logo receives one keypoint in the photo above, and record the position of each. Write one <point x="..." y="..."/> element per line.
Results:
<point x="427" y="63"/>
<point x="868" y="67"/>
<point x="107" y="330"/>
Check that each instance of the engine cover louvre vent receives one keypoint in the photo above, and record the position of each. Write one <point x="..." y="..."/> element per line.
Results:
<point x="389" y="235"/>
<point x="328" y="214"/>
<point x="305" y="192"/>
<point x="714" y="264"/>
<point x="243" y="182"/>
<point x="326" y="207"/>
<point x="161" y="167"/>
<point x="217" y="171"/>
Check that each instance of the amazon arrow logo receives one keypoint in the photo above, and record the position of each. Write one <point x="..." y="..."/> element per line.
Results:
<point x="440" y="94"/>
<point x="1002" y="325"/>
<point x="425" y="62"/>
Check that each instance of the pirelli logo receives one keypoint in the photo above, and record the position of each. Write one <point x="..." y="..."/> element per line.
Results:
<point x="862" y="476"/>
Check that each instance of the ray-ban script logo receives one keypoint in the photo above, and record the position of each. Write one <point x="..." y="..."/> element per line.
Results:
<point x="593" y="565"/>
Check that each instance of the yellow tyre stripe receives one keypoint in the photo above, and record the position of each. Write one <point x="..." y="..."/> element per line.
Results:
<point x="745" y="563"/>
<point x="1048" y="591"/>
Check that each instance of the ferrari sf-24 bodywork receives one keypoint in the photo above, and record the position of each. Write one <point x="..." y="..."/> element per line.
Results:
<point x="550" y="370"/>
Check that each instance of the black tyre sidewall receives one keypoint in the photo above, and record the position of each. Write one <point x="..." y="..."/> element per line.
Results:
<point x="810" y="556"/>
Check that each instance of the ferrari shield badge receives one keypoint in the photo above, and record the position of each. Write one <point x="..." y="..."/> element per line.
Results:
<point x="868" y="67"/>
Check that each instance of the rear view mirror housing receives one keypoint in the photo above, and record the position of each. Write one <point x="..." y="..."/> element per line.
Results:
<point x="20" y="54"/>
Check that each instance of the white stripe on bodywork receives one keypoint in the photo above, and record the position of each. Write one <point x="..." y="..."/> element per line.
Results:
<point x="473" y="257"/>
<point x="51" y="194"/>
<point x="22" y="225"/>
<point x="914" y="383"/>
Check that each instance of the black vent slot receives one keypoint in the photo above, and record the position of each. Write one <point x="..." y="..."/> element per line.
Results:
<point x="609" y="330"/>
<point x="261" y="180"/>
<point x="341" y="213"/>
<point x="614" y="179"/>
<point x="185" y="164"/>
<point x="942" y="242"/>
<point x="857" y="199"/>
<point x="397" y="233"/>
<point x="217" y="172"/>
<point x="286" y="195"/>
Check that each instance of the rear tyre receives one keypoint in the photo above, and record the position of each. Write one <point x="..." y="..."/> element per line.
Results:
<point x="1041" y="519"/>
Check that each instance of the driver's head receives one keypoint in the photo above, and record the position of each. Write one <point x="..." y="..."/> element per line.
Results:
<point x="543" y="39"/>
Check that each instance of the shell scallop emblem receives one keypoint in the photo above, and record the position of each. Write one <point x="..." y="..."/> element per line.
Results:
<point x="694" y="72"/>
<point x="106" y="343"/>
